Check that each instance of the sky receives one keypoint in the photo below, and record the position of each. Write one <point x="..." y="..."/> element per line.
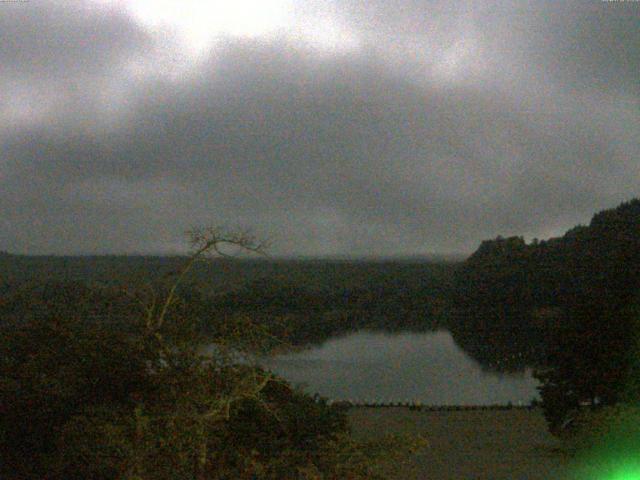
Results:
<point x="345" y="127"/>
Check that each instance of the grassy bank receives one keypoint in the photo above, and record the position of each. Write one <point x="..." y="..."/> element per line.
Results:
<point x="474" y="444"/>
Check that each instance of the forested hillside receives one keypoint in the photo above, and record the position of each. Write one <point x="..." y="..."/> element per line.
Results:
<point x="298" y="301"/>
<point x="567" y="304"/>
<point x="505" y="305"/>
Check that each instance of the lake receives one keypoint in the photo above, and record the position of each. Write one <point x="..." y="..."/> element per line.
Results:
<point x="423" y="367"/>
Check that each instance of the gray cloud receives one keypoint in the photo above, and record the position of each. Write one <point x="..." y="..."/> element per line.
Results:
<point x="61" y="40"/>
<point x="446" y="126"/>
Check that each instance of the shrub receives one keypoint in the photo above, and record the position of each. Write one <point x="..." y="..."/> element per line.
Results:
<point x="130" y="396"/>
<point x="606" y="443"/>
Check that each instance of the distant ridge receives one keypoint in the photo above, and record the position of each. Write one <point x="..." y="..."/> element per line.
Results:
<point x="275" y="258"/>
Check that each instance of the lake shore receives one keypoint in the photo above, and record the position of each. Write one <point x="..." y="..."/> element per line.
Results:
<point x="469" y="444"/>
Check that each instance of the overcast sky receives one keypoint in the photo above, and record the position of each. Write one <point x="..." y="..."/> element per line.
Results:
<point x="343" y="127"/>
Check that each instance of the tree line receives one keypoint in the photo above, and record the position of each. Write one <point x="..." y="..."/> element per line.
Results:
<point x="110" y="382"/>
<point x="570" y="304"/>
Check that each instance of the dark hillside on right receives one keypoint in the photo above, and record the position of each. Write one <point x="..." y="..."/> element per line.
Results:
<point x="568" y="305"/>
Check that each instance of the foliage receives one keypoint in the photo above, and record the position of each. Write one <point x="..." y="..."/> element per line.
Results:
<point x="595" y="427"/>
<point x="570" y="298"/>
<point x="606" y="442"/>
<point x="591" y="361"/>
<point x="54" y="362"/>
<point x="110" y="383"/>
<point x="300" y="301"/>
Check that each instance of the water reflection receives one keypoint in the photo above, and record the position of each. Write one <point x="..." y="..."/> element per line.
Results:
<point x="425" y="367"/>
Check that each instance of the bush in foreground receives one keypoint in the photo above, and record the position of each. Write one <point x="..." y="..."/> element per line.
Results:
<point x="135" y="399"/>
<point x="606" y="442"/>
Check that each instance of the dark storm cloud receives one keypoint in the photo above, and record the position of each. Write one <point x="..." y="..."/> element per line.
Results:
<point x="370" y="151"/>
<point x="51" y="40"/>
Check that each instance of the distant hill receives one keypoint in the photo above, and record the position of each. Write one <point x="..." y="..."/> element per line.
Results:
<point x="520" y="291"/>
<point x="602" y="258"/>
<point x="222" y="274"/>
<point x="502" y="304"/>
<point x="301" y="300"/>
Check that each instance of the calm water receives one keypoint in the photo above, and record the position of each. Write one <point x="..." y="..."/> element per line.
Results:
<point x="425" y="367"/>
